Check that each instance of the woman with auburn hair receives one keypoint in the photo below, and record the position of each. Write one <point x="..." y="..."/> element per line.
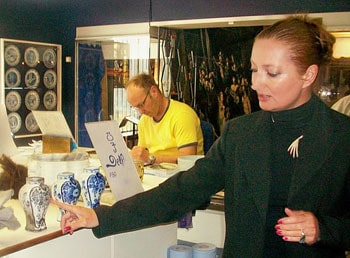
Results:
<point x="285" y="169"/>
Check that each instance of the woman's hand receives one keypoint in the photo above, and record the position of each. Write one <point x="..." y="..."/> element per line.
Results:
<point x="76" y="217"/>
<point x="299" y="226"/>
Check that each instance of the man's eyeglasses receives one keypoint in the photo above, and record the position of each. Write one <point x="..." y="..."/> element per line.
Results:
<point x="142" y="104"/>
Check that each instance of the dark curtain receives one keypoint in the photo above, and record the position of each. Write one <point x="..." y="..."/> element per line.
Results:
<point x="91" y="71"/>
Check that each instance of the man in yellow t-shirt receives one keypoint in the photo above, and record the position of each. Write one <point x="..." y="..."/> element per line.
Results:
<point x="167" y="128"/>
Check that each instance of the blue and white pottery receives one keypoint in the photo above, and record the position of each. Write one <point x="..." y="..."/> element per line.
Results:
<point x="34" y="196"/>
<point x="92" y="185"/>
<point x="66" y="189"/>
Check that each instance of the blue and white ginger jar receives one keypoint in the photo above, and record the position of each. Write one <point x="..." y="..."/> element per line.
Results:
<point x="92" y="184"/>
<point x="66" y="189"/>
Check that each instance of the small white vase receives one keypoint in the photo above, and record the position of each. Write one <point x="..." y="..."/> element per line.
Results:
<point x="34" y="197"/>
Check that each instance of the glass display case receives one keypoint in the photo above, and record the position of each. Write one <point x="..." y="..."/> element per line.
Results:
<point x="104" y="64"/>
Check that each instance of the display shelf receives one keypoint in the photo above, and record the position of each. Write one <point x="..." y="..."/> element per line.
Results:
<point x="22" y="243"/>
<point x="30" y="79"/>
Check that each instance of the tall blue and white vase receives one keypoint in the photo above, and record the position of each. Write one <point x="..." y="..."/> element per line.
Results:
<point x="92" y="184"/>
<point x="66" y="189"/>
<point x="34" y="197"/>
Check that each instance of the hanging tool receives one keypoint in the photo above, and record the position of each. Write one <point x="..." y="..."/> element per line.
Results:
<point x="193" y="77"/>
<point x="167" y="50"/>
<point x="178" y="80"/>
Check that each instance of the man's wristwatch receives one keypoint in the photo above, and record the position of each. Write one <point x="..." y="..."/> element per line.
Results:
<point x="152" y="159"/>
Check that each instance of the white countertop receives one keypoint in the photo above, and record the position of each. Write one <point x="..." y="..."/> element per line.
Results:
<point x="14" y="240"/>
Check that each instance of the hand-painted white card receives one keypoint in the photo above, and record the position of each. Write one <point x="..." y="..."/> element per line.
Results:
<point x="52" y="123"/>
<point x="7" y="146"/>
<point x="115" y="158"/>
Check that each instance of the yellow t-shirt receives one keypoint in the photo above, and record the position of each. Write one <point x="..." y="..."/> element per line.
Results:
<point x="179" y="127"/>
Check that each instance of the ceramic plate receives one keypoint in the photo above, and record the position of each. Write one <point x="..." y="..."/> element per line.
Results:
<point x="12" y="55"/>
<point x="32" y="100"/>
<point x="31" y="124"/>
<point x="50" y="79"/>
<point x="13" y="101"/>
<point x="12" y="78"/>
<point x="31" y="56"/>
<point x="15" y="121"/>
<point x="165" y="165"/>
<point x="49" y="58"/>
<point x="32" y="78"/>
<point x="50" y="100"/>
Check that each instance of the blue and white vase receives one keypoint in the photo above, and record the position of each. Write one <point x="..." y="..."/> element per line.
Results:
<point x="66" y="189"/>
<point x="34" y="196"/>
<point x="92" y="185"/>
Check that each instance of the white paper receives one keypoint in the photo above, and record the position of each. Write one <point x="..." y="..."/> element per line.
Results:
<point x="115" y="158"/>
<point x="7" y="145"/>
<point x="52" y="123"/>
